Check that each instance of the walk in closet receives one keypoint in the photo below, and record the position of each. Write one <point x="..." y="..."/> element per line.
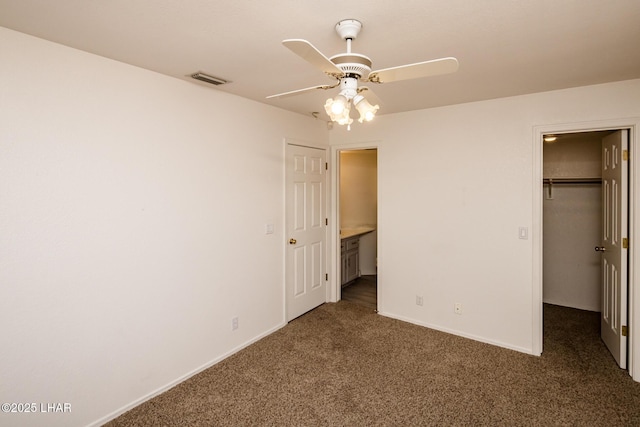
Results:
<point x="572" y="220"/>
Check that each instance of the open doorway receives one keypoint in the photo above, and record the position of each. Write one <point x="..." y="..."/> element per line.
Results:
<point x="358" y="222"/>
<point x="576" y="218"/>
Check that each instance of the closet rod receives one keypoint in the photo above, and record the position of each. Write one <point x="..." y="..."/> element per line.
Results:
<point x="572" y="181"/>
<point x="555" y="181"/>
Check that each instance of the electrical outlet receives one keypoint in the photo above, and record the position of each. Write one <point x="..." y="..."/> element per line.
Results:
<point x="419" y="300"/>
<point x="457" y="308"/>
<point x="234" y="323"/>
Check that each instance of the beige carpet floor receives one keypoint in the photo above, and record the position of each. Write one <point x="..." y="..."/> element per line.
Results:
<point x="344" y="365"/>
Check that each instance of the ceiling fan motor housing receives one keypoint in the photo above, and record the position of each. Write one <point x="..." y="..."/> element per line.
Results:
<point x="352" y="64"/>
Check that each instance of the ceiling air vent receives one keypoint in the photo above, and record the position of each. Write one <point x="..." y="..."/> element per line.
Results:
<point x="208" y="79"/>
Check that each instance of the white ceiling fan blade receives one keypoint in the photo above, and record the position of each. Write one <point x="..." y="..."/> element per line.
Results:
<point x="369" y="95"/>
<point x="309" y="53"/>
<point x="301" y="91"/>
<point x="414" y="71"/>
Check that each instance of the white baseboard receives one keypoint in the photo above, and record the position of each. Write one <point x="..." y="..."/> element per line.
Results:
<point x="460" y="334"/>
<point x="180" y="379"/>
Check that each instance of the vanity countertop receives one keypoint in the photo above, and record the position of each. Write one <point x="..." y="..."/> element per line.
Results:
<point x="345" y="233"/>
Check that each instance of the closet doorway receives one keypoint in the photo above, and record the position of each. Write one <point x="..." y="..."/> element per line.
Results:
<point x="358" y="225"/>
<point x="576" y="272"/>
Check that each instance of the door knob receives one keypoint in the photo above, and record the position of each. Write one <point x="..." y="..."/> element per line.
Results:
<point x="292" y="241"/>
<point x="600" y="249"/>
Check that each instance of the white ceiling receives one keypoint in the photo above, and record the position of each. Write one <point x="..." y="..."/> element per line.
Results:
<point x="505" y="47"/>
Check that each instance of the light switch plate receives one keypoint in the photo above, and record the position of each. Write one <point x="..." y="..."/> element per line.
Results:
<point x="523" y="233"/>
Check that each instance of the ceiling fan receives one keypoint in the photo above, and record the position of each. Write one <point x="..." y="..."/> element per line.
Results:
<point x="349" y="68"/>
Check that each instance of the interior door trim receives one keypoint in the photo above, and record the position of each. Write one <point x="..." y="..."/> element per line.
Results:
<point x="633" y="124"/>
<point x="334" y="216"/>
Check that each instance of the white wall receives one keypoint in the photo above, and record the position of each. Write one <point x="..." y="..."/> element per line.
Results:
<point x="358" y="188"/>
<point x="454" y="186"/>
<point x="131" y="204"/>
<point x="573" y="223"/>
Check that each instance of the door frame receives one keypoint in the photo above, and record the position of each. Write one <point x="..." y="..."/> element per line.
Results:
<point x="334" y="217"/>
<point x="633" y="124"/>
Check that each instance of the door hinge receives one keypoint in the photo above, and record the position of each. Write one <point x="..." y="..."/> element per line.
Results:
<point x="625" y="243"/>
<point x="326" y="277"/>
<point x="624" y="330"/>
<point x="326" y="166"/>
<point x="625" y="154"/>
<point x="326" y="221"/>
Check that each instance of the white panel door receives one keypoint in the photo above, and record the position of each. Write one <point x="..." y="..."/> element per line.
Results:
<point x="305" y="229"/>
<point x="614" y="247"/>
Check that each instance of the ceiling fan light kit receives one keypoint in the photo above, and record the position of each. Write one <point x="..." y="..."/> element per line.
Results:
<point x="348" y="68"/>
<point x="364" y="107"/>
<point x="338" y="110"/>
